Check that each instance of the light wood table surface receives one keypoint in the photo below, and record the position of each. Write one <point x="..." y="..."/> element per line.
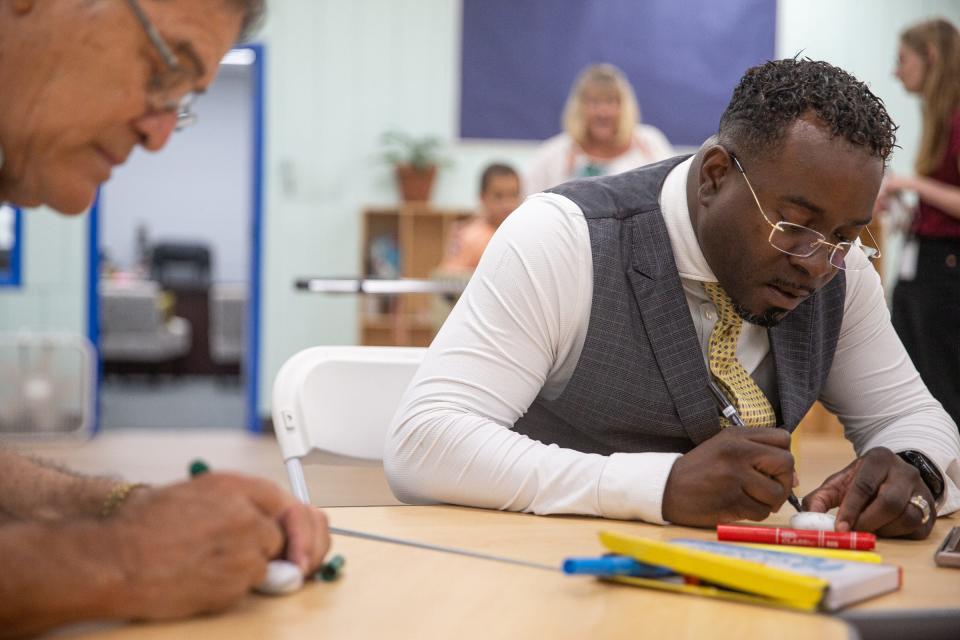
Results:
<point x="164" y="455"/>
<point x="394" y="591"/>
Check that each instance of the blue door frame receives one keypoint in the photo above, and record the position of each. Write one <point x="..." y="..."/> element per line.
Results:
<point x="251" y="367"/>
<point x="11" y="277"/>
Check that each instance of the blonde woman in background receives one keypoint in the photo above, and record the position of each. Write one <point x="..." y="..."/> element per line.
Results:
<point x="602" y="133"/>
<point x="926" y="300"/>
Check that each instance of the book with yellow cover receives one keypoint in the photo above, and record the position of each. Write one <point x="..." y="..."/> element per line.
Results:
<point x="756" y="575"/>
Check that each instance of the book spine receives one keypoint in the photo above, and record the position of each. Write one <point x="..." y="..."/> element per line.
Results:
<point x="797" y="537"/>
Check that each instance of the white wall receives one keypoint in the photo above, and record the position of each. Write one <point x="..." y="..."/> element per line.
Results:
<point x="7" y="227"/>
<point x="197" y="189"/>
<point x="53" y="293"/>
<point x="339" y="74"/>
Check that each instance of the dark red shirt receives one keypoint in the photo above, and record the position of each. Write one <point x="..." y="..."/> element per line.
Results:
<point x="931" y="222"/>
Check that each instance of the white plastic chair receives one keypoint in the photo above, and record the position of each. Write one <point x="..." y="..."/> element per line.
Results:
<point x="47" y="387"/>
<point x="339" y="400"/>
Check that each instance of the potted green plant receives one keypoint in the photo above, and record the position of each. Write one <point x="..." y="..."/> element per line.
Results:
<point x="415" y="160"/>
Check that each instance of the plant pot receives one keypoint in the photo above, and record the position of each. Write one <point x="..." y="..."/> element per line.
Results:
<point x="415" y="184"/>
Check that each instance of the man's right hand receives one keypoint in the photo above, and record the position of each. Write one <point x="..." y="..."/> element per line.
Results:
<point x="742" y="473"/>
<point x="199" y="546"/>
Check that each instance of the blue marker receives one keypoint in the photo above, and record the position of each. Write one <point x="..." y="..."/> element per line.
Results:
<point x="613" y="565"/>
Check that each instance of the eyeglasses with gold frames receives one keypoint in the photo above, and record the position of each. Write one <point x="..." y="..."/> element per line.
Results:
<point x="163" y="89"/>
<point x="803" y="242"/>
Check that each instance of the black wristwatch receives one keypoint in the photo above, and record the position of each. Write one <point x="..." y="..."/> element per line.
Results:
<point x="928" y="471"/>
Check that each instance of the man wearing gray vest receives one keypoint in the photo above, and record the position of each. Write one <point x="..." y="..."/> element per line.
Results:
<point x="575" y="374"/>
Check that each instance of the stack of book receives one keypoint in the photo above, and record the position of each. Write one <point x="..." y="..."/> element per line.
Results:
<point x="792" y="577"/>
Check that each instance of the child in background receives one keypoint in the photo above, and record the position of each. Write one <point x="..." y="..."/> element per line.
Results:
<point x="499" y="196"/>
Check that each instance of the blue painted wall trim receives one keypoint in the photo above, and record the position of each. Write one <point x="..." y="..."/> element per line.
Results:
<point x="252" y="363"/>
<point x="12" y="277"/>
<point x="93" y="300"/>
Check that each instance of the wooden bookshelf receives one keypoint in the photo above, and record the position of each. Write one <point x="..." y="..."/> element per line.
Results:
<point x="418" y="233"/>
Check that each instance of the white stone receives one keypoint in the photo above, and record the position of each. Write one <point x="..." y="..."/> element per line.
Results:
<point x="813" y="521"/>
<point x="282" y="578"/>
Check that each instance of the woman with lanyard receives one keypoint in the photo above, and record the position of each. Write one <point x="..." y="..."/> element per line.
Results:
<point x="602" y="133"/>
<point x="926" y="301"/>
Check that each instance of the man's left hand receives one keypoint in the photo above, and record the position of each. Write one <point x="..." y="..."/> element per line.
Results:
<point x="874" y="494"/>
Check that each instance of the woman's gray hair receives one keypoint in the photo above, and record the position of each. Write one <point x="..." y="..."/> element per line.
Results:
<point x="253" y="11"/>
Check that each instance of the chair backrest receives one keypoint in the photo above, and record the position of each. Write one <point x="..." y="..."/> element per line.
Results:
<point x="129" y="308"/>
<point x="228" y="305"/>
<point x="339" y="400"/>
<point x="181" y="265"/>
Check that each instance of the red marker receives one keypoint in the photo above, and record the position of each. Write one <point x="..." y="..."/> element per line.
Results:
<point x="797" y="537"/>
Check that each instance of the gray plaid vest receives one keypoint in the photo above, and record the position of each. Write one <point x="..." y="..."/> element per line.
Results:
<point x="641" y="381"/>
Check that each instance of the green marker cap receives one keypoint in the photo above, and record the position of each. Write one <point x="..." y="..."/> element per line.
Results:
<point x="198" y="467"/>
<point x="331" y="570"/>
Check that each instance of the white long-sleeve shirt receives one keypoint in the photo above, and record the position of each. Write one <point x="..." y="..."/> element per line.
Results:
<point x="518" y="331"/>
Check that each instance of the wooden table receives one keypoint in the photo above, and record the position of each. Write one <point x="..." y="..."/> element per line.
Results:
<point x="395" y="591"/>
<point x="162" y="456"/>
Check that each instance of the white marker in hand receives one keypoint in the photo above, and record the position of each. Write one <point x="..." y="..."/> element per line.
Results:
<point x="282" y="578"/>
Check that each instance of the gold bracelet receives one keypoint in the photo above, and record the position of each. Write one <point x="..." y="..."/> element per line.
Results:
<point x="116" y="497"/>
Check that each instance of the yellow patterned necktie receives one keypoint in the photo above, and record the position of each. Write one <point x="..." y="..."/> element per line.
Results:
<point x="753" y="406"/>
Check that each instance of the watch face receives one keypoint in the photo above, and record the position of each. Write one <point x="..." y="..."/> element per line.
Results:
<point x="928" y="473"/>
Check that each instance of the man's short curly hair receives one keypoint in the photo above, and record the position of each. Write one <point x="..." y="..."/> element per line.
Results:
<point x="771" y="96"/>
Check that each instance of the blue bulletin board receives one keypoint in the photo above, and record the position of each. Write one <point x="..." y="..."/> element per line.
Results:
<point x="520" y="58"/>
